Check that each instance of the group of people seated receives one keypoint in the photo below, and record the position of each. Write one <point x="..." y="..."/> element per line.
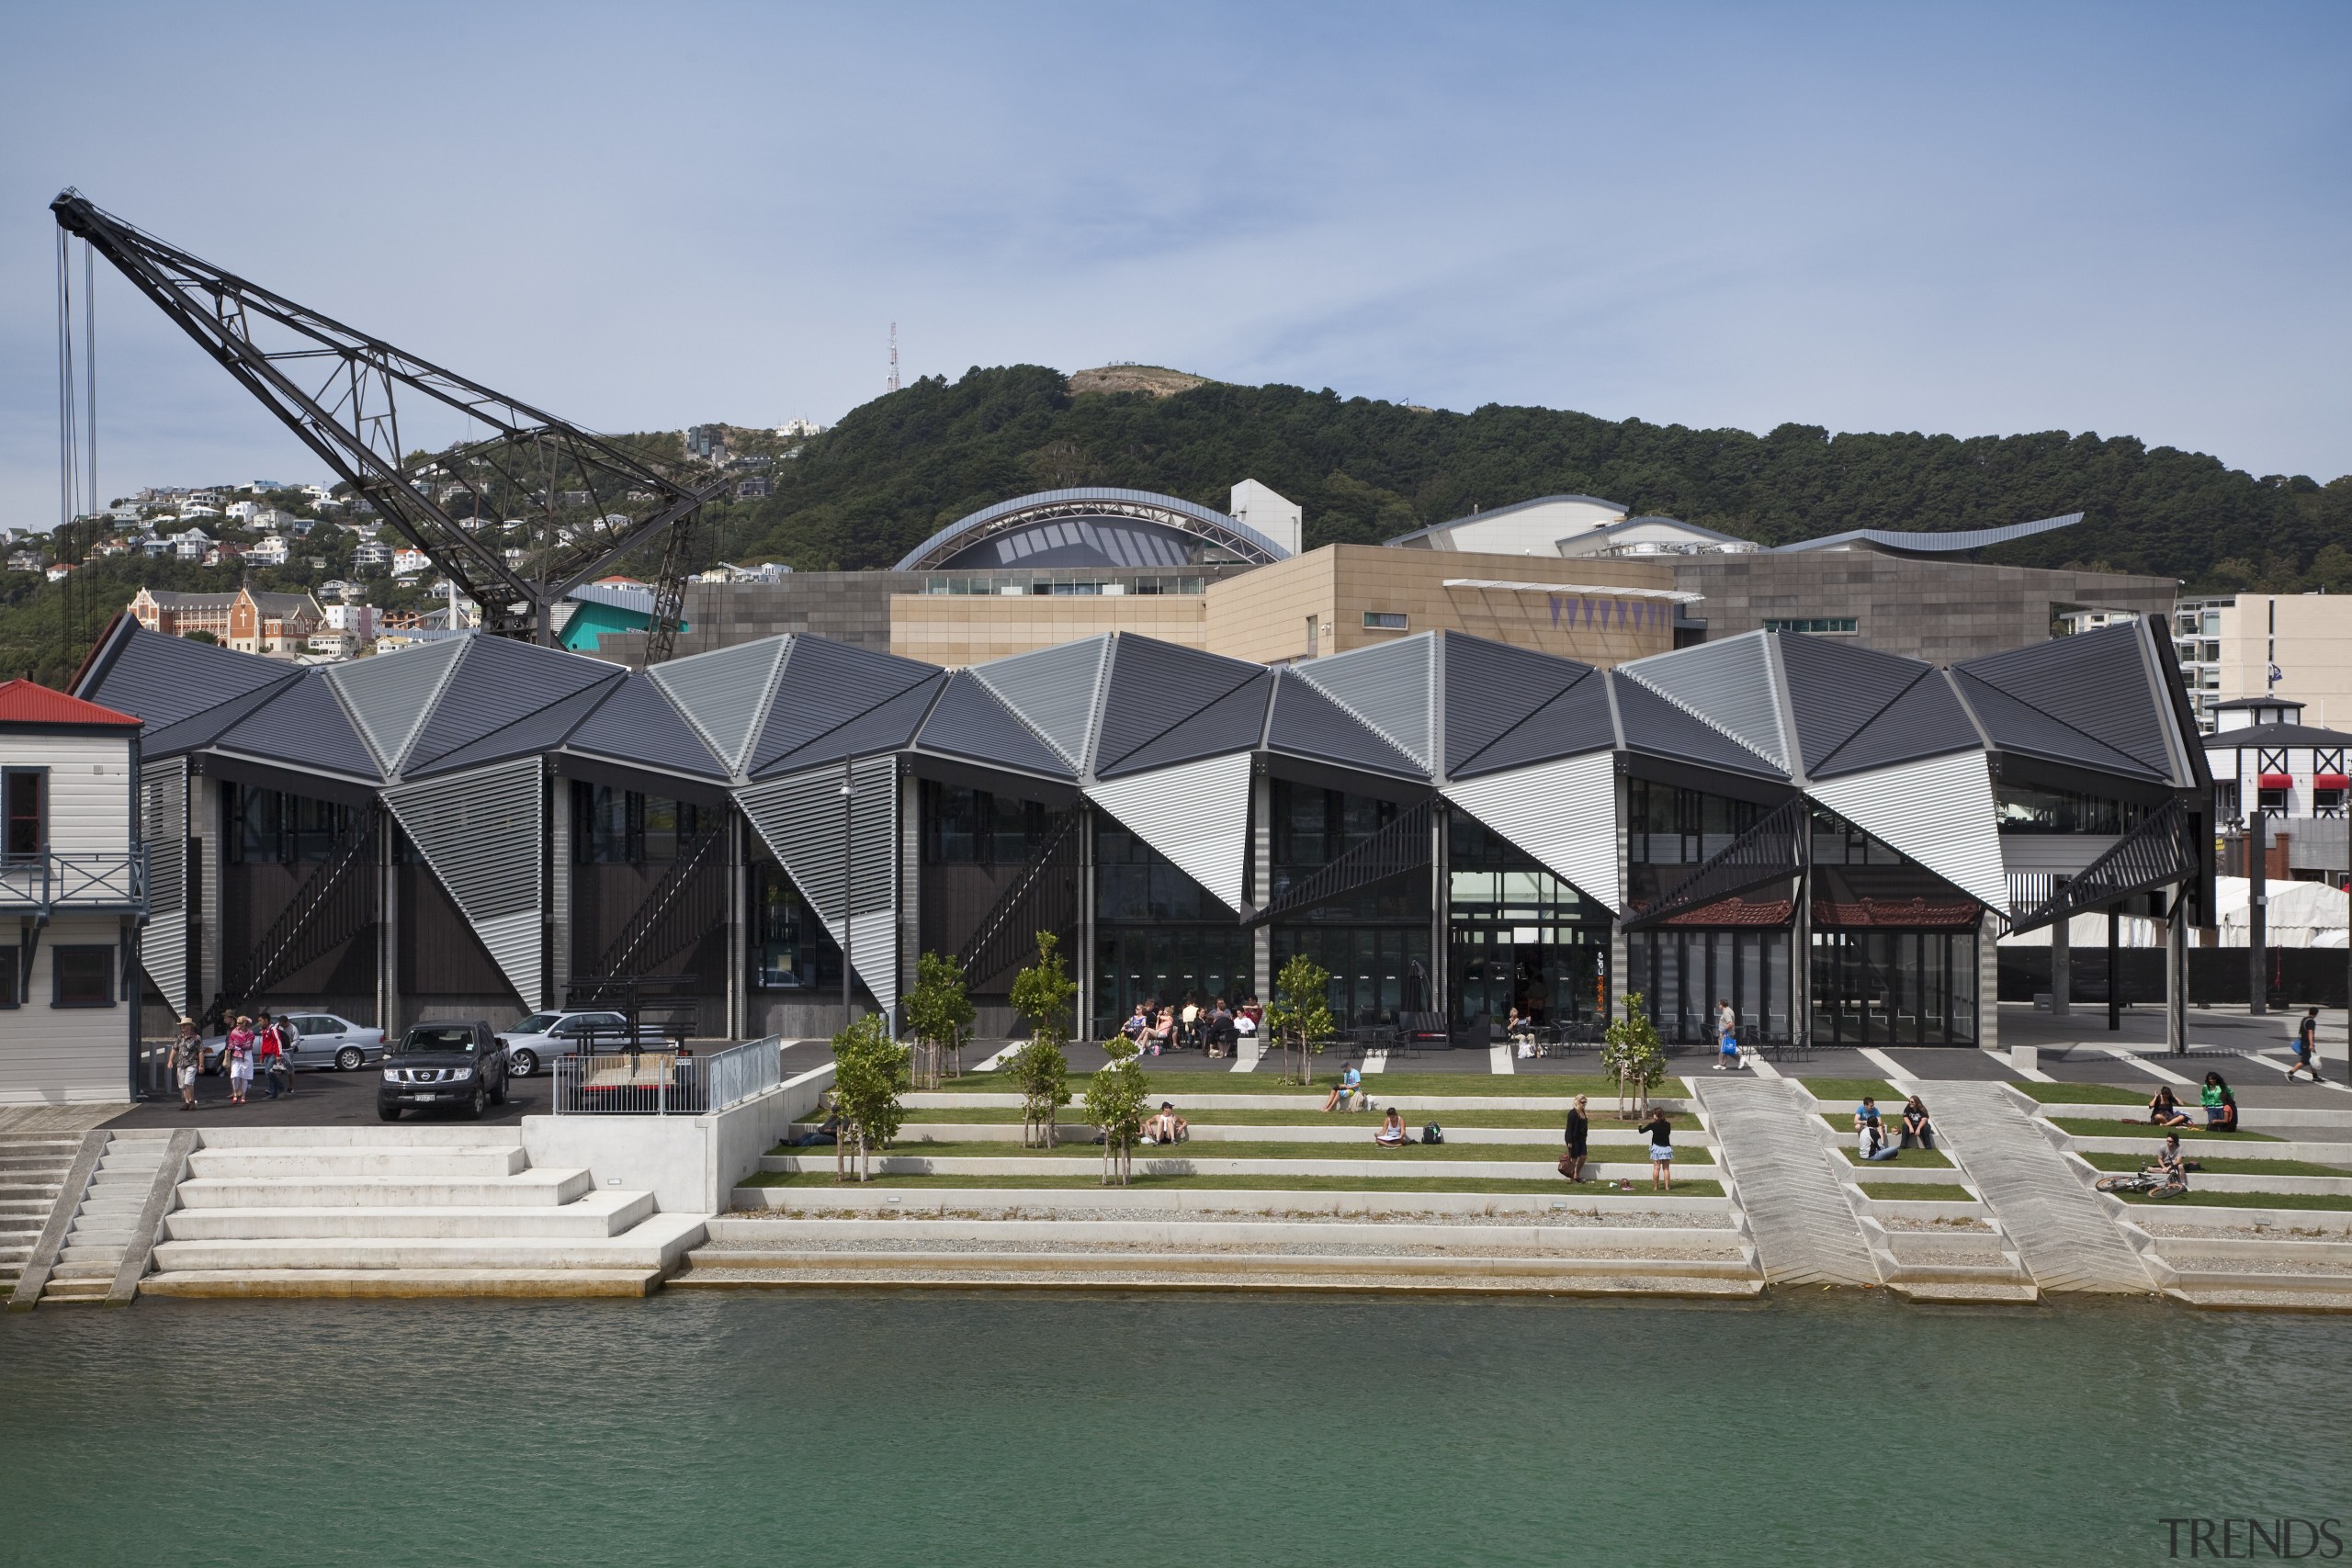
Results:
<point x="1156" y="1026"/>
<point x="1876" y="1140"/>
<point x="2214" y="1097"/>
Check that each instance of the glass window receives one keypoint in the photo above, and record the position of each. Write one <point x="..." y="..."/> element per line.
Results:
<point x="1384" y="621"/>
<point x="27" y="791"/>
<point x="2027" y="810"/>
<point x="10" y="989"/>
<point x="601" y="824"/>
<point x="670" y="828"/>
<point x="791" y="949"/>
<point x="84" y="977"/>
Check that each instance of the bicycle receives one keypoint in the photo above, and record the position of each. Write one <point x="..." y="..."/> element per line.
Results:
<point x="2152" y="1182"/>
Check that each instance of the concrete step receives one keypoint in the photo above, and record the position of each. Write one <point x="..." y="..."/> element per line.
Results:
<point x="1560" y="1237"/>
<point x="382" y="1135"/>
<point x="657" y="1243"/>
<point x="1627" y="1286"/>
<point x="87" y="1263"/>
<point x="116" y="1236"/>
<point x="298" y="1163"/>
<point x="390" y="1282"/>
<point x="55" y="1294"/>
<point x="927" y="1261"/>
<point x="42" y="1193"/>
<point x="607" y="1211"/>
<point x="539" y="1187"/>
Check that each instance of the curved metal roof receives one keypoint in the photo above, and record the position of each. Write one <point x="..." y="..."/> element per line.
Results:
<point x="1047" y="508"/>
<point x="1937" y="543"/>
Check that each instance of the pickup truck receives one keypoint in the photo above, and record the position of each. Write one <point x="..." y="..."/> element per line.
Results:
<point x="546" y="1035"/>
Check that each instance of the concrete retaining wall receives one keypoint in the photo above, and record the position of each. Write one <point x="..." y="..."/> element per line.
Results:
<point x="690" y="1164"/>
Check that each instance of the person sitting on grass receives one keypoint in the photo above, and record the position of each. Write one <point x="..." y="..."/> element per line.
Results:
<point x="1166" y="1127"/>
<point x="2169" y="1160"/>
<point x="1876" y="1144"/>
<point x="827" y="1130"/>
<point x="1917" y="1127"/>
<point x="1660" y="1128"/>
<point x="1866" y="1114"/>
<point x="2163" y="1111"/>
<point x="1351" y="1084"/>
<point x="2221" y="1105"/>
<point x="1391" y="1133"/>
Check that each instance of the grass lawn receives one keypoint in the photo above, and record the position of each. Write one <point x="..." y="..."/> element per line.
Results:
<point x="1912" y="1158"/>
<point x="2081" y="1094"/>
<point x="1537" y="1186"/>
<point x="1267" y="1079"/>
<point x="1850" y="1091"/>
<point x="1548" y="1153"/>
<point x="2226" y="1166"/>
<point x="2091" y="1127"/>
<point x="2241" y="1200"/>
<point x="1919" y="1191"/>
<point x="1074" y="1116"/>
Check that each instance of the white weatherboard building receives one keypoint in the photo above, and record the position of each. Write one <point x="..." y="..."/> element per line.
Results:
<point x="74" y="887"/>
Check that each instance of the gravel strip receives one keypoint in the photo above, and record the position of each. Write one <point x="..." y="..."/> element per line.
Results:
<point x="2155" y="1225"/>
<point x="1896" y="1223"/>
<point x="713" y="1253"/>
<point x="2257" y="1265"/>
<point x="1992" y="1257"/>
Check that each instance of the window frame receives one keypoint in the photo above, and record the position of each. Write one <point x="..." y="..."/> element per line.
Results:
<point x="8" y="777"/>
<point x="57" y="956"/>
<point x="11" y="977"/>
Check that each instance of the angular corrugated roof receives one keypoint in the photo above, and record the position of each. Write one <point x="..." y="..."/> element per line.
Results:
<point x="543" y="729"/>
<point x="499" y="683"/>
<point x="1491" y="688"/>
<point x="825" y="685"/>
<point x="969" y="721"/>
<point x="1728" y="684"/>
<point x="887" y="726"/>
<point x="1235" y="722"/>
<point x="725" y="693"/>
<point x="1156" y="690"/>
<point x="2096" y="682"/>
<point x="1926" y="720"/>
<point x="1657" y="726"/>
<point x="168" y="680"/>
<point x="1391" y="686"/>
<point x="1307" y="723"/>
<point x="1576" y="721"/>
<point x="2020" y="727"/>
<point x="391" y="695"/>
<point x="302" y="725"/>
<point x="638" y="723"/>
<point x="1055" y="691"/>
<point x="1836" y="688"/>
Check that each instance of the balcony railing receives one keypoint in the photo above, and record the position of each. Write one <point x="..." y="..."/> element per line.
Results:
<point x="46" y="883"/>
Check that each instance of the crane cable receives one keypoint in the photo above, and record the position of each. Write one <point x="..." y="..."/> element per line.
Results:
<point x="77" y="431"/>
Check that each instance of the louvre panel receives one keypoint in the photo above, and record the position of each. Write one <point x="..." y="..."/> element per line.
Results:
<point x="1939" y="813"/>
<point x="969" y="721"/>
<point x="2096" y="682"/>
<point x="1655" y="725"/>
<point x="724" y="693"/>
<point x="1575" y="721"/>
<point x="1728" y="684"/>
<point x="800" y="819"/>
<point x="498" y="682"/>
<point x="390" y="694"/>
<point x="168" y="680"/>
<point x="1154" y="689"/>
<point x="1563" y="813"/>
<point x="162" y="827"/>
<point x="1491" y="688"/>
<point x="1054" y="692"/>
<point x="884" y="727"/>
<point x="826" y="685"/>
<point x="638" y="723"/>
<point x="1235" y="722"/>
<point x="303" y="726"/>
<point x="528" y="736"/>
<point x="1196" y="815"/>
<point x="1390" y="687"/>
<point x="1837" y="688"/>
<point x="1305" y="723"/>
<point x="482" y="833"/>
<point x="2016" y="726"/>
<point x="1925" y="721"/>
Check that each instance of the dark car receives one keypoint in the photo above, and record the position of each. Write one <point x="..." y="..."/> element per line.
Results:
<point x="456" y="1064"/>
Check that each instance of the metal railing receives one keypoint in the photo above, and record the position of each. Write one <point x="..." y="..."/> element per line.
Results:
<point x="50" y="880"/>
<point x="666" y="1083"/>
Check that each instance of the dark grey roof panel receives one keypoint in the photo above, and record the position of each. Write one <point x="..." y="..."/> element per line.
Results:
<point x="200" y="729"/>
<point x="392" y="694"/>
<point x="303" y="727"/>
<point x="497" y="682"/>
<point x="1156" y="688"/>
<point x="1571" y="724"/>
<point x="165" y="680"/>
<point x="1305" y="723"/>
<point x="637" y="723"/>
<point x="1390" y="686"/>
<point x="1836" y="688"/>
<point x="1492" y="687"/>
<point x="1728" y="684"/>
<point x="2096" y="682"/>
<point x="826" y="684"/>
<point x="886" y="726"/>
<point x="1926" y="720"/>
<point x="1657" y="726"/>
<point x="528" y="736"/>
<point x="1232" y="723"/>
<point x="2020" y="727"/>
<point x="1053" y="690"/>
<point x="969" y="721"/>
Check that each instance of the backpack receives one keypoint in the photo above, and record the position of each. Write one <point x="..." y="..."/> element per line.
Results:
<point x="1432" y="1133"/>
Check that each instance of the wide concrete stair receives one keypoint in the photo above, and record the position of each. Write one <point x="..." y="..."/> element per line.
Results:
<point x="32" y="1172"/>
<point x="405" y="1211"/>
<point x="105" y="1224"/>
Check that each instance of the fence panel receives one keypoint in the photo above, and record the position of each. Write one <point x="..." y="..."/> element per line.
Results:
<point x="665" y="1083"/>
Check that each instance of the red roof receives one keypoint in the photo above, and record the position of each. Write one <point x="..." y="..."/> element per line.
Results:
<point x="27" y="701"/>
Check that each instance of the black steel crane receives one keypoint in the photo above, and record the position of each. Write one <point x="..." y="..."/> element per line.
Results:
<point x="571" y="504"/>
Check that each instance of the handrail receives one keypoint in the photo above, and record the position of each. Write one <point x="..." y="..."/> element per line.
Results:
<point x="1766" y="852"/>
<point x="665" y="1083"/>
<point x="646" y="942"/>
<point x="1400" y="847"/>
<point x="1006" y="933"/>
<point x="45" y="881"/>
<point x="315" y="922"/>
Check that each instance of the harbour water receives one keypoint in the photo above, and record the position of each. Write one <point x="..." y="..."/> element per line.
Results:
<point x="1043" y="1430"/>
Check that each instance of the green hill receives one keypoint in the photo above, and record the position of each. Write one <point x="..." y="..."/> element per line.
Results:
<point x="875" y="485"/>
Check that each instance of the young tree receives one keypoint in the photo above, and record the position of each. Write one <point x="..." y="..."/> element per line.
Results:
<point x="1300" y="1016"/>
<point x="1116" y="1097"/>
<point x="939" y="1015"/>
<point x="1633" y="1054"/>
<point x="1044" y="994"/>
<point x="869" y="1074"/>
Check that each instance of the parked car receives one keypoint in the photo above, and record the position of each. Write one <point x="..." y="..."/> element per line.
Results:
<point x="321" y="1041"/>
<point x="456" y="1063"/>
<point x="544" y="1036"/>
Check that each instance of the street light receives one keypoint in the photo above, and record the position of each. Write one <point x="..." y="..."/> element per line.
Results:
<point x="849" y="794"/>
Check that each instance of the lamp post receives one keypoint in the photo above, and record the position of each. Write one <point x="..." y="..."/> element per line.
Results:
<point x="849" y="795"/>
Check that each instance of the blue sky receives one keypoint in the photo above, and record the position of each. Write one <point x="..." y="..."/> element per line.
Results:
<point x="2126" y="219"/>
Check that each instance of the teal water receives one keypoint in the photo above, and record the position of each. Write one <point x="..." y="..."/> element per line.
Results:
<point x="873" y="1430"/>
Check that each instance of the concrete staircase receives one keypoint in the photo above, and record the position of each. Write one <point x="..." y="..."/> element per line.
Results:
<point x="105" y="1223"/>
<point x="32" y="1172"/>
<point x="405" y="1211"/>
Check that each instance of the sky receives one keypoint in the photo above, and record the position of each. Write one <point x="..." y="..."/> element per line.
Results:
<point x="2127" y="218"/>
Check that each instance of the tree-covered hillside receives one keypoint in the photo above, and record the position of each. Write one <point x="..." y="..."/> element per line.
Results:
<point x="863" y="493"/>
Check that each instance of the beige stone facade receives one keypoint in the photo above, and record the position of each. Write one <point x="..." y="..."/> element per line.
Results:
<point x="957" y="629"/>
<point x="1602" y="611"/>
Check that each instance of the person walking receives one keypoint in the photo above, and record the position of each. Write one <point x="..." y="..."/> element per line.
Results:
<point x="269" y="1054"/>
<point x="2306" y="1046"/>
<point x="1660" y="1128"/>
<point x="1579" y="1137"/>
<point x="237" y="1055"/>
<point x="1726" y="1037"/>
<point x="186" y="1059"/>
